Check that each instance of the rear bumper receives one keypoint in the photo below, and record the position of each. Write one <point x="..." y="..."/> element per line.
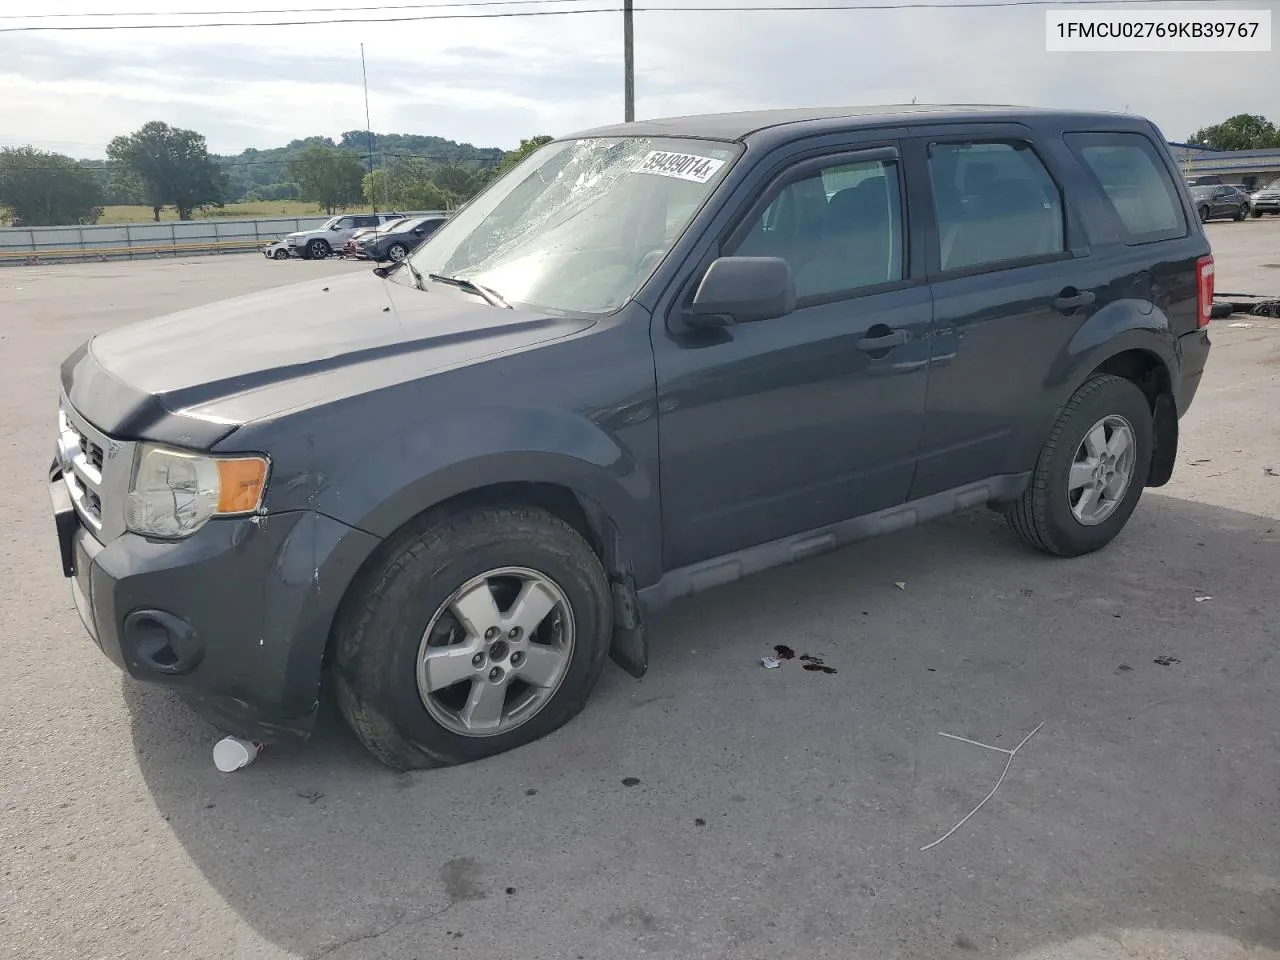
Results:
<point x="235" y="618"/>
<point x="1193" y="353"/>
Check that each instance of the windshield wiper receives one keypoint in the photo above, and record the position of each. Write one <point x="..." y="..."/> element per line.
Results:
<point x="493" y="298"/>
<point x="385" y="272"/>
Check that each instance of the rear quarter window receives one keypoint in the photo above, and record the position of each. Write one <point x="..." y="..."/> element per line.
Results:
<point x="1134" y="178"/>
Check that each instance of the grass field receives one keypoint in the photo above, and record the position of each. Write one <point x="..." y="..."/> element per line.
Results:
<point x="264" y="208"/>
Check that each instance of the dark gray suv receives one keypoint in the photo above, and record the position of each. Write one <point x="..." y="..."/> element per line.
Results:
<point x="650" y="359"/>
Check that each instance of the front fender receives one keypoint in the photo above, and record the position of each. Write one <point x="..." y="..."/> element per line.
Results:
<point x="387" y="479"/>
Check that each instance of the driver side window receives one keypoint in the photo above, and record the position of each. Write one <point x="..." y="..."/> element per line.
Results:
<point x="839" y="227"/>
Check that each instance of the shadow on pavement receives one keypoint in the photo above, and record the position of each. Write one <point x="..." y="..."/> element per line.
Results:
<point x="781" y="812"/>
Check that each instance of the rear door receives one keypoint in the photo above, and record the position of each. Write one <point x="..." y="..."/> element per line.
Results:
<point x="771" y="429"/>
<point x="1010" y="272"/>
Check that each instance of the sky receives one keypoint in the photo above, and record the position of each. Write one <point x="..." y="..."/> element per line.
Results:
<point x="492" y="82"/>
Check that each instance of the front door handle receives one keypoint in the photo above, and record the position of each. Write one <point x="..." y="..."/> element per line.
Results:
<point x="889" y="340"/>
<point x="1068" y="300"/>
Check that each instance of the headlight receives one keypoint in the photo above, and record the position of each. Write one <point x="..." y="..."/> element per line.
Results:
<point x="172" y="494"/>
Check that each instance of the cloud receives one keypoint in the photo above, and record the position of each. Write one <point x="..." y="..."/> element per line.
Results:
<point x="493" y="82"/>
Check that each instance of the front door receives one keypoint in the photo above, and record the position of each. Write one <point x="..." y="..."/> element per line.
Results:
<point x="774" y="428"/>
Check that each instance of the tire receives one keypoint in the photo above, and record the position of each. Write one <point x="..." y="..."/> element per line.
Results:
<point x="280" y="255"/>
<point x="1243" y="212"/>
<point x="382" y="631"/>
<point x="1204" y="214"/>
<point x="1043" y="517"/>
<point x="397" y="252"/>
<point x="1256" y="214"/>
<point x="318" y="249"/>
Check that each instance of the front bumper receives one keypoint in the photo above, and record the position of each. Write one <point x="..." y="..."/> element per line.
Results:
<point x="1266" y="204"/>
<point x="234" y="618"/>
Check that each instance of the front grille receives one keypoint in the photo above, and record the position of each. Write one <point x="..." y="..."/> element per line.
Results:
<point x="81" y="451"/>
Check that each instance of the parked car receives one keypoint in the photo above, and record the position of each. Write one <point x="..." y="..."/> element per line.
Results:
<point x="276" y="250"/>
<point x="1207" y="180"/>
<point x="350" y="248"/>
<point x="439" y="480"/>
<point x="395" y="244"/>
<point x="1266" y="200"/>
<point x="1213" y="203"/>
<point x="320" y="243"/>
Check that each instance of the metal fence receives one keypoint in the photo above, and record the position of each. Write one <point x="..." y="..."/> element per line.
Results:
<point x="22" y="245"/>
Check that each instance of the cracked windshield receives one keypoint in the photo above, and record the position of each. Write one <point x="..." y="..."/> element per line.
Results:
<point x="581" y="224"/>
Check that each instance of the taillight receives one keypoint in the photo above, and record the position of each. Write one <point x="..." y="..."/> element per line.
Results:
<point x="1204" y="290"/>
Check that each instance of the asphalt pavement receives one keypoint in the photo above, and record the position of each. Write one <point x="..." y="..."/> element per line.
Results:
<point x="714" y="809"/>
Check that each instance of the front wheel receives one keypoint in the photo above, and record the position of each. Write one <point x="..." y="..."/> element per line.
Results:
<point x="1204" y="214"/>
<point x="1257" y="214"/>
<point x="397" y="252"/>
<point x="477" y="633"/>
<point x="319" y="249"/>
<point x="1091" y="471"/>
<point x="1242" y="212"/>
<point x="280" y="255"/>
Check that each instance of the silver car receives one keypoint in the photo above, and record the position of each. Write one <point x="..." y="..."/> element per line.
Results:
<point x="1266" y="200"/>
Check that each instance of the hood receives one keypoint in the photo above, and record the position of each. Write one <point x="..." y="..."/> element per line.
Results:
<point x="222" y="365"/>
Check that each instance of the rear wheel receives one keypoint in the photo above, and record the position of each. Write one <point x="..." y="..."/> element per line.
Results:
<point x="397" y="252"/>
<point x="1090" y="472"/>
<point x="280" y="255"/>
<point x="1204" y="214"/>
<point x="478" y="633"/>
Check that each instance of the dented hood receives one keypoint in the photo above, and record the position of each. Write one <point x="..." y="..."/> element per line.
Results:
<point x="217" y="366"/>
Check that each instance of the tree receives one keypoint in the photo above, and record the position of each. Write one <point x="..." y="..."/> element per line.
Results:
<point x="44" y="189"/>
<point x="174" y="166"/>
<point x="512" y="157"/>
<point x="1244" y="131"/>
<point x="332" y="178"/>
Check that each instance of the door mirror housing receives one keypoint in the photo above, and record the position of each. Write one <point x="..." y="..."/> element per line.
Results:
<point x="743" y="290"/>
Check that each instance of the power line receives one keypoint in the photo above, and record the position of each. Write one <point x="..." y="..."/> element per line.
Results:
<point x="218" y="13"/>
<point x="806" y="8"/>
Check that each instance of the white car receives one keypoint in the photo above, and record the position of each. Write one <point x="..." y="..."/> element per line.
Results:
<point x="278" y="250"/>
<point x="332" y="237"/>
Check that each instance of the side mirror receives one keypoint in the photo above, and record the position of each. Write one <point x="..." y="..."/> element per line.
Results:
<point x="743" y="290"/>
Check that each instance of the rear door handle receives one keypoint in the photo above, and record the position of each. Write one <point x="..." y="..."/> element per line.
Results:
<point x="1069" y="301"/>
<point x="889" y="340"/>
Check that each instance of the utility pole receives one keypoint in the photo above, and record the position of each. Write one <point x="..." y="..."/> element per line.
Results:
<point x="629" y="61"/>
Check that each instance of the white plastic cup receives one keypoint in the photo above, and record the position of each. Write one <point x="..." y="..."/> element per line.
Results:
<point x="231" y="753"/>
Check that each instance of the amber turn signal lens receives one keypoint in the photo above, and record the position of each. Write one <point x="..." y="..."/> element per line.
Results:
<point x="242" y="482"/>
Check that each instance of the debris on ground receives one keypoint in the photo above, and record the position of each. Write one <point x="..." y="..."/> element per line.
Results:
<point x="1008" y="763"/>
<point x="816" y="664"/>
<point x="1166" y="661"/>
<point x="770" y="663"/>
<point x="1245" y="326"/>
<point x="784" y="652"/>
<point x="1270" y="472"/>
<point x="231" y="753"/>
<point x="630" y="781"/>
<point x="1203" y="599"/>
<point x="900" y="584"/>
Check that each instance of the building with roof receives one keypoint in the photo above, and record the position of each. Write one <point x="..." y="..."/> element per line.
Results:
<point x="1250" y="169"/>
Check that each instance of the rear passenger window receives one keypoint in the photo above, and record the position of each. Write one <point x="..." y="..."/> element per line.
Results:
<point x="1136" y="181"/>
<point x="995" y="203"/>
<point x="839" y="227"/>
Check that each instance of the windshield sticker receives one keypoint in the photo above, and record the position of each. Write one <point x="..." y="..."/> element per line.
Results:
<point x="685" y="166"/>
